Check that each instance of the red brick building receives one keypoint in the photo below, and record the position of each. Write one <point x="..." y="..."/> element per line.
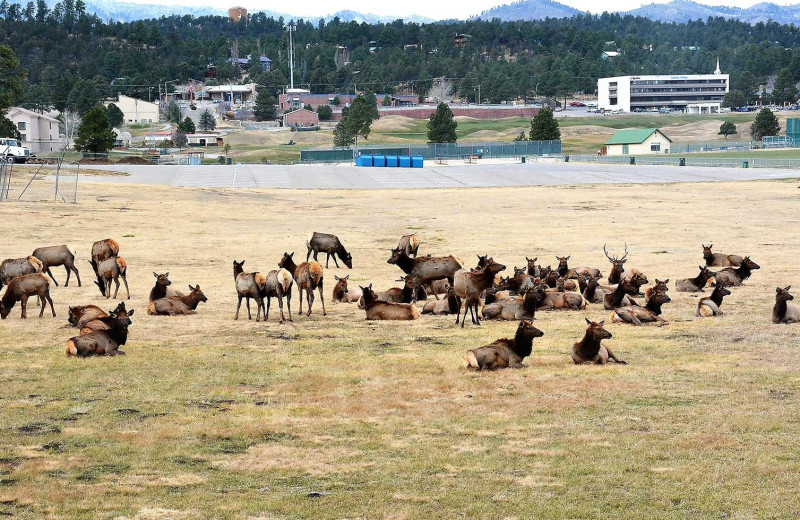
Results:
<point x="302" y="118"/>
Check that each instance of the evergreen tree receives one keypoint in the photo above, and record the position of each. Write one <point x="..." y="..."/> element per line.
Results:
<point x="727" y="128"/>
<point x="785" y="90"/>
<point x="266" y="106"/>
<point x="325" y="112"/>
<point x="441" y="126"/>
<point x="357" y="122"/>
<point x="173" y="112"/>
<point x="207" y="121"/>
<point x="115" y="115"/>
<point x="187" y="126"/>
<point x="94" y="132"/>
<point x="544" y="126"/>
<point x="766" y="124"/>
<point x="734" y="98"/>
<point x="11" y="76"/>
<point x="387" y="101"/>
<point x="9" y="129"/>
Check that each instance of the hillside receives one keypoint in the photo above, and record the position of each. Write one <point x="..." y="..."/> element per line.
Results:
<point x="529" y="10"/>
<point x="685" y="10"/>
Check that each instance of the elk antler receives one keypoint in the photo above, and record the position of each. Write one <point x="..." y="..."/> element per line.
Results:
<point x="626" y="251"/>
<point x="607" y="256"/>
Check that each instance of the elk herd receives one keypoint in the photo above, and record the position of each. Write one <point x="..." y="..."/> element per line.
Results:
<point x="480" y="291"/>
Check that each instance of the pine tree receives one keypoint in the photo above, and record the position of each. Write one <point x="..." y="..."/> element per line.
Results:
<point x="115" y="115"/>
<point x="94" y="133"/>
<point x="357" y="122"/>
<point x="441" y="126"/>
<point x="387" y="101"/>
<point x="207" y="121"/>
<point x="766" y="124"/>
<point x="544" y="126"/>
<point x="727" y="128"/>
<point x="785" y="90"/>
<point x="266" y="106"/>
<point x="187" y="126"/>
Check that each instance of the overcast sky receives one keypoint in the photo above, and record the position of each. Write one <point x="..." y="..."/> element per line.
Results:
<point x="436" y="9"/>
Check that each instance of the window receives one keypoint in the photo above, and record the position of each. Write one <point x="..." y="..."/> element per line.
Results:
<point x="21" y="125"/>
<point x="625" y="149"/>
<point x="655" y="147"/>
<point x="330" y="101"/>
<point x="24" y="138"/>
<point x="612" y="101"/>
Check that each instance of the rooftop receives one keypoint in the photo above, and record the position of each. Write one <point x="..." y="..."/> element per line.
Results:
<point x="634" y="136"/>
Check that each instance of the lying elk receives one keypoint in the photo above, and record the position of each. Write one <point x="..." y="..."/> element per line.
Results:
<point x="565" y="271"/>
<point x="533" y="269"/>
<point x="505" y="352"/>
<point x="735" y="276"/>
<point x="177" y="305"/>
<point x="660" y="285"/>
<point x="102" y="322"/>
<point x="111" y="269"/>
<point x="13" y="267"/>
<point x="159" y="290"/>
<point x="104" y="249"/>
<point x="515" y="307"/>
<point x="451" y="304"/>
<point x="567" y="301"/>
<point x="719" y="259"/>
<point x="279" y="285"/>
<point x="710" y="305"/>
<point x="425" y="270"/>
<point x="342" y="293"/>
<point x="381" y="310"/>
<point x="618" y="271"/>
<point x="398" y="294"/>
<point x="620" y="296"/>
<point x="593" y="293"/>
<point x="331" y="245"/>
<point x="696" y="284"/>
<point x="785" y="312"/>
<point x="248" y="285"/>
<point x="308" y="276"/>
<point x="80" y="315"/>
<point x="591" y="349"/>
<point x="22" y="287"/>
<point x="104" y="342"/>
<point x="409" y="244"/>
<point x="470" y="284"/>
<point x="637" y="315"/>
<point x="53" y="256"/>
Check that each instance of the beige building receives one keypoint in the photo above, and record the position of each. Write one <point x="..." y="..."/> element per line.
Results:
<point x="638" y="141"/>
<point x="136" y="110"/>
<point x="39" y="132"/>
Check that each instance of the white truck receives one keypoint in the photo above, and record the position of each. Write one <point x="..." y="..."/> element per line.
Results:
<point x="11" y="151"/>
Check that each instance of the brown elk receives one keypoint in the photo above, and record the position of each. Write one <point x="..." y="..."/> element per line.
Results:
<point x="719" y="259"/>
<point x="591" y="349"/>
<point x="451" y="304"/>
<point x="735" y="276"/>
<point x="22" y="287"/>
<point x="520" y="282"/>
<point x="565" y="271"/>
<point x="710" y="305"/>
<point x="80" y="315"/>
<point x="308" y="276"/>
<point x="637" y="315"/>
<point x="593" y="293"/>
<point x="279" y="285"/>
<point x="398" y="294"/>
<point x="505" y="352"/>
<point x="660" y="285"/>
<point x="53" y="256"/>
<point x="104" y="322"/>
<point x="515" y="307"/>
<point x="567" y="301"/>
<point x="177" y="305"/>
<point x="620" y="296"/>
<point x="783" y="311"/>
<point x="103" y="342"/>
<point x="381" y="310"/>
<point x="533" y="269"/>
<point x="342" y="292"/>
<point x="617" y="265"/>
<point x="470" y="284"/>
<point x="331" y="245"/>
<point x="159" y="290"/>
<point x="104" y="249"/>
<point x="409" y="244"/>
<point x="425" y="270"/>
<point x="696" y="284"/>
<point x="111" y="269"/>
<point x="13" y="267"/>
<point x="248" y="285"/>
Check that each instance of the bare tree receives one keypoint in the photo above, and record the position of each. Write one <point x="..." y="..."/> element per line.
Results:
<point x="69" y="121"/>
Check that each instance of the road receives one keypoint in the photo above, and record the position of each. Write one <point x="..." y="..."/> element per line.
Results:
<point x="453" y="176"/>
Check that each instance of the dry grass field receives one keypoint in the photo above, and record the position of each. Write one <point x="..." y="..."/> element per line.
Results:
<point x="335" y="417"/>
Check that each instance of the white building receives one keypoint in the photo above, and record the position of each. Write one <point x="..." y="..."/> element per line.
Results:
<point x="39" y="132"/>
<point x="703" y="93"/>
<point x="234" y="94"/>
<point x="637" y="142"/>
<point x="136" y="110"/>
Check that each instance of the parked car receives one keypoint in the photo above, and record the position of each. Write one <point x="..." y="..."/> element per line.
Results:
<point x="577" y="104"/>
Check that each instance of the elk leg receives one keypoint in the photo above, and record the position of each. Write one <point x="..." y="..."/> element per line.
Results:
<point x="249" y="316"/>
<point x="125" y="279"/>
<point x="24" y="303"/>
<point x="116" y="290"/>
<point x="430" y="286"/>
<point x="289" y="302"/>
<point x="266" y="311"/>
<point x="77" y="274"/>
<point x="310" y="300"/>
<point x="322" y="298"/>
<point x="300" y="297"/>
<point x="334" y="261"/>
<point x="615" y="358"/>
<point x="477" y="315"/>
<point x="50" y="300"/>
<point x="50" y="274"/>
<point x="237" y="308"/>
<point x="308" y="254"/>
<point x="69" y="272"/>
<point x="259" y="307"/>
<point x="464" y="320"/>
<point x="280" y="303"/>
<point x="108" y="288"/>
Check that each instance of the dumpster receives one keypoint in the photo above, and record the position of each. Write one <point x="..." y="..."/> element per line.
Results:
<point x="391" y="161"/>
<point x="230" y="161"/>
<point x="379" y="161"/>
<point x="416" y="161"/>
<point x="682" y="162"/>
<point x="566" y="158"/>
<point x="745" y="164"/>
<point x="633" y="160"/>
<point x="364" y="160"/>
<point x="404" y="161"/>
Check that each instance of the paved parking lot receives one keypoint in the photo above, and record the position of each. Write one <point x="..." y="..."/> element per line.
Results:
<point x="453" y="176"/>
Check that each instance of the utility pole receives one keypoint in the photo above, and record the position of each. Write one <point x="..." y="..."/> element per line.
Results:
<point x="291" y="29"/>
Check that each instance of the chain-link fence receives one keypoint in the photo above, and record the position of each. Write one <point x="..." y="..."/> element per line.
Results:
<point x="34" y="183"/>
<point x="670" y="160"/>
<point x="437" y="151"/>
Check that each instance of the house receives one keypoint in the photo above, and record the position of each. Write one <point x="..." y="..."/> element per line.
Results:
<point x="302" y="118"/>
<point x="235" y="94"/>
<point x="39" y="132"/>
<point x="461" y="39"/>
<point x="638" y="141"/>
<point x="266" y="63"/>
<point x="237" y="14"/>
<point x="153" y="139"/>
<point x="204" y="139"/>
<point x="136" y="110"/>
<point x="607" y="55"/>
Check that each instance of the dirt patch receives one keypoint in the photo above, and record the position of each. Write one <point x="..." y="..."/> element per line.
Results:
<point x="94" y="160"/>
<point x="134" y="160"/>
<point x="313" y="461"/>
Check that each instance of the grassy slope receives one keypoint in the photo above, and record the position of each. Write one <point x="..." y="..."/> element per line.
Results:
<point x="206" y="417"/>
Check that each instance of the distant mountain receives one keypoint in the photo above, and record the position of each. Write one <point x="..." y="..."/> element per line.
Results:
<point x="529" y="10"/>
<point x="685" y="10"/>
<point x="348" y="16"/>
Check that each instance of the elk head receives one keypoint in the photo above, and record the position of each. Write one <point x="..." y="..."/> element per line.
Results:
<point x="238" y="268"/>
<point x="596" y="331"/>
<point x="163" y="280"/>
<point x="200" y="295"/>
<point x="750" y="264"/>
<point x="287" y="260"/>
<point x="562" y="264"/>
<point x="781" y="295"/>
<point x="707" y="254"/>
<point x="528" y="330"/>
<point x="397" y="253"/>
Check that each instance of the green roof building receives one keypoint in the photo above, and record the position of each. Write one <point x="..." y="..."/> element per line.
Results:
<point x="637" y="141"/>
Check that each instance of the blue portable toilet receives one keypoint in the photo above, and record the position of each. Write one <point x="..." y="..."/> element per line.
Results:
<point x="379" y="161"/>
<point x="364" y="160"/>
<point x="404" y="161"/>
<point x="416" y="161"/>
<point x="391" y="161"/>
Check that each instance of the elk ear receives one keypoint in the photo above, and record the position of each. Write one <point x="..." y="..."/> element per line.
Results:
<point x="241" y="263"/>
<point x="166" y="275"/>
<point x="130" y="312"/>
<point x="788" y="287"/>
<point x="601" y="323"/>
<point x="568" y="257"/>
<point x="666" y="281"/>
<point x="347" y="277"/>
<point x="587" y="320"/>
<point x="154" y="274"/>
<point x="336" y="278"/>
<point x="370" y="287"/>
<point x="191" y="288"/>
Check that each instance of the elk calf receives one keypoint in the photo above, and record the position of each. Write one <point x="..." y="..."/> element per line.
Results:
<point x="696" y="284"/>
<point x="177" y="305"/>
<point x="591" y="349"/>
<point x="785" y="312"/>
<point x="331" y="245"/>
<point x="710" y="305"/>
<point x="54" y="256"/>
<point x="103" y="342"/>
<point x="13" y="267"/>
<point x="506" y="352"/>
<point x="381" y="310"/>
<point x="342" y="293"/>
<point x="451" y="304"/>
<point x="22" y="287"/>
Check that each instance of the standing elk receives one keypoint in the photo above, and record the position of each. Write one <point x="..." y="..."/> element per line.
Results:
<point x="248" y="285"/>
<point x="425" y="270"/>
<point x="331" y="245"/>
<point x="450" y="304"/>
<point x="710" y="305"/>
<point x="505" y="352"/>
<point x="719" y="259"/>
<point x="409" y="244"/>
<point x="53" y="256"/>
<point x="80" y="315"/>
<point x="785" y="312"/>
<point x="591" y="349"/>
<point x="381" y="310"/>
<point x="279" y="285"/>
<point x="696" y="284"/>
<point x="177" y="305"/>
<point x="735" y="276"/>
<point x="470" y="284"/>
<point x="22" y="287"/>
<point x="103" y="342"/>
<point x="104" y="249"/>
<point x="308" y="276"/>
<point x="108" y="270"/>
<point x="342" y="293"/>
<point x="637" y="315"/>
<point x="13" y="267"/>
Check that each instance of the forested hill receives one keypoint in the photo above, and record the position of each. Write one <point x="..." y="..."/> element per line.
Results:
<point x="72" y="57"/>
